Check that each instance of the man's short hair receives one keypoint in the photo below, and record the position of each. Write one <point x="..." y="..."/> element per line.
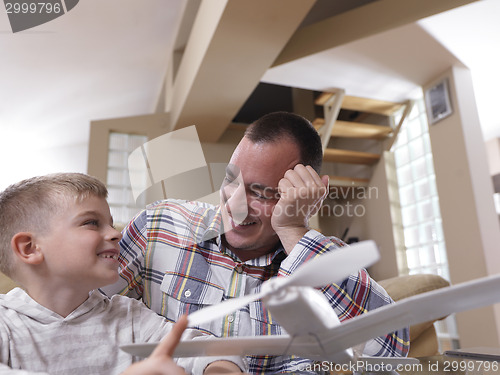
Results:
<point x="29" y="205"/>
<point x="277" y="126"/>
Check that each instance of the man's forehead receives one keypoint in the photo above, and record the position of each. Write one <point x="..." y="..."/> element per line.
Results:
<point x="248" y="148"/>
<point x="235" y="173"/>
<point x="263" y="162"/>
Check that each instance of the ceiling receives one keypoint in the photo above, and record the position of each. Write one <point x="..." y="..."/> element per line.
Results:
<point x="108" y="58"/>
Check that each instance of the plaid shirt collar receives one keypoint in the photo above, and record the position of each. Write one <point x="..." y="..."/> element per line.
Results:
<point x="214" y="233"/>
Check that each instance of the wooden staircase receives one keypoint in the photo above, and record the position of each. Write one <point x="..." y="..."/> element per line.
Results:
<point x="360" y="128"/>
<point x="354" y="134"/>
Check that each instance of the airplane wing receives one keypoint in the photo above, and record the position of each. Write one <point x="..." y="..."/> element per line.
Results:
<point x="306" y="347"/>
<point x="303" y="346"/>
<point x="212" y="346"/>
<point x="331" y="344"/>
<point x="413" y="310"/>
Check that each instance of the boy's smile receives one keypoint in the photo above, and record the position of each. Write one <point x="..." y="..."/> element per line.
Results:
<point x="109" y="254"/>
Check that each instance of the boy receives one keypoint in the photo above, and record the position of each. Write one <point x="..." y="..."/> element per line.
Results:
<point x="58" y="242"/>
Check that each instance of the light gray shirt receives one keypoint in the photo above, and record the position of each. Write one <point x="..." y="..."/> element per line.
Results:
<point x="36" y="340"/>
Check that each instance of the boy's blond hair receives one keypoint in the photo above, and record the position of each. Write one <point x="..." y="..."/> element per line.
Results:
<point x="29" y="205"/>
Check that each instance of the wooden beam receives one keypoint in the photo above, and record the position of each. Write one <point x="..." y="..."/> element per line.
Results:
<point x="343" y="181"/>
<point x="350" y="157"/>
<point x="323" y="98"/>
<point x="331" y="109"/>
<point x="225" y="58"/>
<point x="409" y="105"/>
<point x="370" y="19"/>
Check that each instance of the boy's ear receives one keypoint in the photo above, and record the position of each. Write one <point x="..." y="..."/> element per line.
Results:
<point x="24" y="247"/>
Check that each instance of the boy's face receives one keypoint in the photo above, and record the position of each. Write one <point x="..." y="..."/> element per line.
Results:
<point x="80" y="248"/>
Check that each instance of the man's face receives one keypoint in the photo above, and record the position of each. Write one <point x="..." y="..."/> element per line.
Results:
<point x="251" y="184"/>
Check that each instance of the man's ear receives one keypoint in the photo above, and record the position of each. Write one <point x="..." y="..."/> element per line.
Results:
<point x="24" y="247"/>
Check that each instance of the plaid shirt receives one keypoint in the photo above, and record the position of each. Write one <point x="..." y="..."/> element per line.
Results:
<point x="173" y="259"/>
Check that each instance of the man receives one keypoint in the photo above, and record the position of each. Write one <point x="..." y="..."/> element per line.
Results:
<point x="180" y="256"/>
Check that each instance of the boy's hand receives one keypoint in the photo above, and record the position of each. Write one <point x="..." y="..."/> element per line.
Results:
<point x="160" y="362"/>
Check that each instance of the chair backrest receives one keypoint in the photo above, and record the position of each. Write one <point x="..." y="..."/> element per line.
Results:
<point x="423" y="338"/>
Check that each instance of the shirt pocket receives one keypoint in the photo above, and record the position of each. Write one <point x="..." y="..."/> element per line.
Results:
<point x="262" y="320"/>
<point x="184" y="295"/>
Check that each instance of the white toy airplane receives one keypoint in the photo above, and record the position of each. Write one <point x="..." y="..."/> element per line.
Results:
<point x="313" y="328"/>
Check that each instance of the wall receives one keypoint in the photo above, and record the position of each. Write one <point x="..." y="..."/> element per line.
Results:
<point x="465" y="193"/>
<point x="379" y="220"/>
<point x="376" y="221"/>
<point x="28" y="160"/>
<point x="493" y="151"/>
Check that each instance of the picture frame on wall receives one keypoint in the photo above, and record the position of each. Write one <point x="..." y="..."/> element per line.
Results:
<point x="437" y="101"/>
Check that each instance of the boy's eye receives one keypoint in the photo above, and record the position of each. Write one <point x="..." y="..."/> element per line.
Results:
<point x="94" y="223"/>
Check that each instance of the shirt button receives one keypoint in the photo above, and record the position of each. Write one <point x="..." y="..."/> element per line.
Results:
<point x="230" y="318"/>
<point x="187" y="293"/>
<point x="239" y="268"/>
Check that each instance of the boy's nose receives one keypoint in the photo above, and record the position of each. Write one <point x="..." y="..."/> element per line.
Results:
<point x="114" y="234"/>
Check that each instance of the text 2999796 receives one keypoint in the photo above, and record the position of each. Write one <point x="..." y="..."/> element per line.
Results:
<point x="33" y="8"/>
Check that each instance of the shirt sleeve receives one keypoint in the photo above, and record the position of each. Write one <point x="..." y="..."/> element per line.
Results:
<point x="132" y="249"/>
<point x="356" y="295"/>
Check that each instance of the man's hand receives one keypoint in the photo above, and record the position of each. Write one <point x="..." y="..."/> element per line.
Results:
<point x="160" y="362"/>
<point x="302" y="191"/>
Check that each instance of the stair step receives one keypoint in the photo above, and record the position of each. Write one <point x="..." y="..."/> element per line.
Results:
<point x="355" y="103"/>
<point x="342" y="181"/>
<point x="323" y="98"/>
<point x="355" y="129"/>
<point x="380" y="107"/>
<point x="349" y="156"/>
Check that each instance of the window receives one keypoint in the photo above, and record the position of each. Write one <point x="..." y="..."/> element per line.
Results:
<point x="110" y="143"/>
<point x="421" y="232"/>
<point x="121" y="201"/>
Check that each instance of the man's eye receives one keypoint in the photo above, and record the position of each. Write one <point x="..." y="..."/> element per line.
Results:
<point x="230" y="181"/>
<point x="263" y="195"/>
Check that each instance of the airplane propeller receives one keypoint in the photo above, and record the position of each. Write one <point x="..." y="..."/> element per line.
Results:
<point x="329" y="268"/>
